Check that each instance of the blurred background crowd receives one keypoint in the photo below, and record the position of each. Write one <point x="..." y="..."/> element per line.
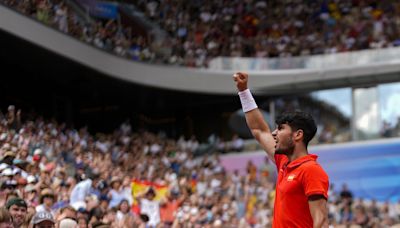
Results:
<point x="71" y="178"/>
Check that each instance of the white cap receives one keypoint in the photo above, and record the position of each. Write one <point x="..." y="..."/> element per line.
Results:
<point x="67" y="223"/>
<point x="7" y="172"/>
<point x="3" y="166"/>
<point x="179" y="214"/>
<point x="38" y="151"/>
<point x="16" y="170"/>
<point x="6" y="146"/>
<point x="29" y="188"/>
<point x="31" y="179"/>
<point x="217" y="222"/>
<point x="3" y="136"/>
<point x="194" y="211"/>
<point x="173" y="177"/>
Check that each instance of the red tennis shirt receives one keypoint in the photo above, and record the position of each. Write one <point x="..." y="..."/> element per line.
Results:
<point x="297" y="181"/>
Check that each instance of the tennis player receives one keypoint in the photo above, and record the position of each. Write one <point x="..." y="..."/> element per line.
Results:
<point x="302" y="184"/>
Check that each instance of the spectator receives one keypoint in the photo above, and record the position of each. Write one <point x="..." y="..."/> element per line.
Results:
<point x="60" y="18"/>
<point x="142" y="220"/>
<point x="251" y="171"/>
<point x="326" y="135"/>
<point x="6" y="220"/>
<point x="123" y="210"/>
<point x="192" y="144"/>
<point x="268" y="171"/>
<point x="360" y="216"/>
<point x="18" y="210"/>
<point x="67" y="212"/>
<point x="346" y="195"/>
<point x="13" y="118"/>
<point x="43" y="12"/>
<point x="237" y="144"/>
<point x="386" y="129"/>
<point x="221" y="145"/>
<point x="43" y="219"/>
<point x="83" y="222"/>
<point x="11" y="194"/>
<point x="31" y="195"/>
<point x="46" y="200"/>
<point x="126" y="189"/>
<point x="110" y="217"/>
<point x="67" y="223"/>
<point x="346" y="214"/>
<point x="170" y="205"/>
<point x="116" y="194"/>
<point x="150" y="207"/>
<point x="82" y="190"/>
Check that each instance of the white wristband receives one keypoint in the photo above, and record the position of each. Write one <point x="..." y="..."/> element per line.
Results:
<point x="247" y="100"/>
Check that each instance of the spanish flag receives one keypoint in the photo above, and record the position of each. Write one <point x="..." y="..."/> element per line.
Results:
<point x="139" y="187"/>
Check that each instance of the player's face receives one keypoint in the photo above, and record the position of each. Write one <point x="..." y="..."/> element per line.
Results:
<point x="283" y="136"/>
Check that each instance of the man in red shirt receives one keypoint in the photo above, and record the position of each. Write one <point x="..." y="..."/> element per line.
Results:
<point x="302" y="184"/>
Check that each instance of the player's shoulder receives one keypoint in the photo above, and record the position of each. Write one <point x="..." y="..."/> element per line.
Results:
<point x="311" y="164"/>
<point x="313" y="167"/>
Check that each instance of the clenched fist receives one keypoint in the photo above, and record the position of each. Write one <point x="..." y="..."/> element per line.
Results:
<point x="241" y="80"/>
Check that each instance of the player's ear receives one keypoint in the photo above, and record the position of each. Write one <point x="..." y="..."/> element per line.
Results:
<point x="298" y="135"/>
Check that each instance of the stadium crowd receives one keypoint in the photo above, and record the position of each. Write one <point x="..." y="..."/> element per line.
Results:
<point x="103" y="34"/>
<point x="202" y="30"/>
<point x="55" y="176"/>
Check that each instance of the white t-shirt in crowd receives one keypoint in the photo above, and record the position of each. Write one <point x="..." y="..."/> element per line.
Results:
<point x="151" y="209"/>
<point x="80" y="191"/>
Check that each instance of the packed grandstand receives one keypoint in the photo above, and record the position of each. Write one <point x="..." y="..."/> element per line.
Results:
<point x="195" y="32"/>
<point x="104" y="178"/>
<point x="134" y="177"/>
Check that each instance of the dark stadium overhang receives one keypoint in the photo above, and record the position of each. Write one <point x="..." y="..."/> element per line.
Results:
<point x="192" y="80"/>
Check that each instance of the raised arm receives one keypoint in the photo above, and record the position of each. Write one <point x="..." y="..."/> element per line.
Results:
<point x="255" y="120"/>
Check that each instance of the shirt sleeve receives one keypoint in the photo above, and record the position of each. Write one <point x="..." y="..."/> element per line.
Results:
<point x="315" y="181"/>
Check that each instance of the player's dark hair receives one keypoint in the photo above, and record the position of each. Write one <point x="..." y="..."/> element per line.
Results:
<point x="299" y="120"/>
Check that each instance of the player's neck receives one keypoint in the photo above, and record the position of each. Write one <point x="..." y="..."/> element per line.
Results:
<point x="297" y="153"/>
